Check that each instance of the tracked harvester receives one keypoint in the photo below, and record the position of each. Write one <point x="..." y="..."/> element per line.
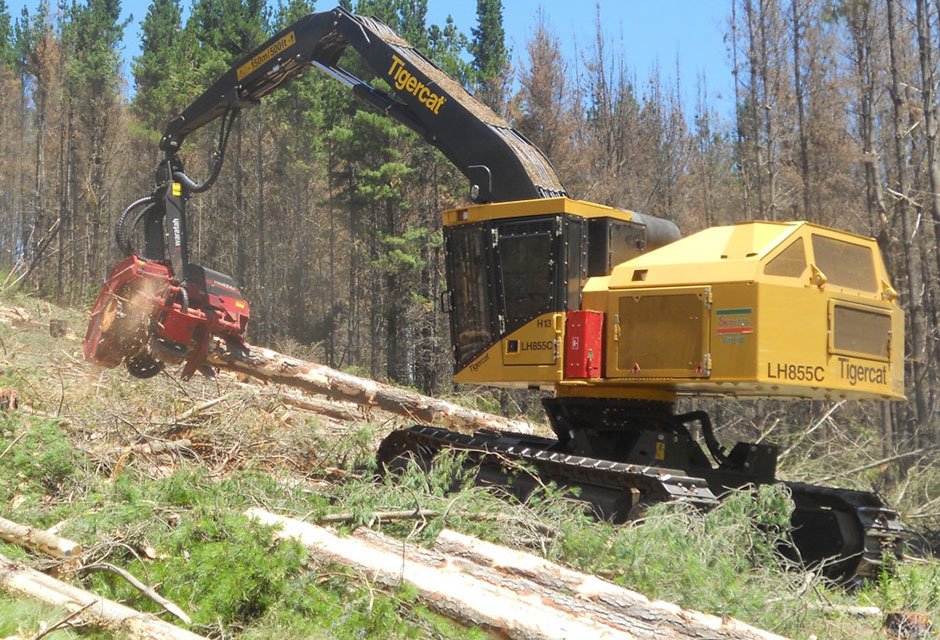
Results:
<point x="611" y="310"/>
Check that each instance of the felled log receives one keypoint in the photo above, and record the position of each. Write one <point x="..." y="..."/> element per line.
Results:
<point x="318" y="379"/>
<point x="515" y="564"/>
<point x="445" y="589"/>
<point x="858" y="611"/>
<point x="344" y="411"/>
<point x="23" y="581"/>
<point x="17" y="317"/>
<point x="39" y="540"/>
<point x="483" y="594"/>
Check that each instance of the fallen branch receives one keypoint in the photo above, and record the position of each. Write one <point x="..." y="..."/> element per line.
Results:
<point x="852" y="610"/>
<point x="15" y="440"/>
<point x="61" y="624"/>
<point x="202" y="407"/>
<point x="806" y="433"/>
<point x="512" y="605"/>
<point x="23" y="581"/>
<point x="140" y="586"/>
<point x="151" y="448"/>
<point x="318" y="379"/>
<point x="414" y="514"/>
<point x="875" y="464"/>
<point x="39" y="540"/>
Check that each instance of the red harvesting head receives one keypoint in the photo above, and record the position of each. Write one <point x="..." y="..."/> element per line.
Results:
<point x="142" y="318"/>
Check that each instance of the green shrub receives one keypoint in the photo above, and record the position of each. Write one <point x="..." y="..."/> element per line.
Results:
<point x="41" y="459"/>
<point x="230" y="567"/>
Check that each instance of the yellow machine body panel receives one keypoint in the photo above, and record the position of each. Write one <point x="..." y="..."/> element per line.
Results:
<point x="538" y="206"/>
<point x="755" y="309"/>
<point x="529" y="356"/>
<point x="516" y="268"/>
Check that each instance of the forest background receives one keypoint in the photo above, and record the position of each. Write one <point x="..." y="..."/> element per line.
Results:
<point x="328" y="214"/>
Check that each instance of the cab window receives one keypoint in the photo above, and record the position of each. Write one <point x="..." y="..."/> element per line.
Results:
<point x="526" y="258"/>
<point x="791" y="262"/>
<point x="473" y="322"/>
<point x="845" y="264"/>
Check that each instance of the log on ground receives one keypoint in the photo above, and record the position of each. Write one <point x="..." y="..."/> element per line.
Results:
<point x="19" y="580"/>
<point x="319" y="379"/>
<point x="509" y="604"/>
<point x="39" y="540"/>
<point x="515" y="564"/>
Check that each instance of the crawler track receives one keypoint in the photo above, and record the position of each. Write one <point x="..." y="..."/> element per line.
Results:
<point x="870" y="531"/>
<point x="852" y="526"/>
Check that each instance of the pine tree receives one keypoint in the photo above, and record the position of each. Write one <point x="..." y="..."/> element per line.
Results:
<point x="490" y="54"/>
<point x="92" y="39"/>
<point x="446" y="47"/>
<point x="388" y="11"/>
<point x="155" y="101"/>
<point x="413" y="24"/>
<point x="7" y="36"/>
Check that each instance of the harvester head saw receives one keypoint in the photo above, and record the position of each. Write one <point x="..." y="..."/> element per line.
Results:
<point x="143" y="319"/>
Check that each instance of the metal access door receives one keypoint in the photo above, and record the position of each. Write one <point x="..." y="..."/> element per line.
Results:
<point x="661" y="333"/>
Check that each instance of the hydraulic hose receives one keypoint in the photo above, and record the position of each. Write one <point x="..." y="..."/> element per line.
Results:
<point x="218" y="158"/>
<point x="121" y="223"/>
<point x="708" y="433"/>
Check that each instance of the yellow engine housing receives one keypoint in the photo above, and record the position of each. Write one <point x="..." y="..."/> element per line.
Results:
<point x="756" y="309"/>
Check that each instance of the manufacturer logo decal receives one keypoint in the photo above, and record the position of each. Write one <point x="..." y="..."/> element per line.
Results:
<point x="405" y="81"/>
<point x="734" y="324"/>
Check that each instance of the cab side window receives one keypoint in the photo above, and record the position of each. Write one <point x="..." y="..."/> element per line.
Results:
<point x="845" y="264"/>
<point x="791" y="262"/>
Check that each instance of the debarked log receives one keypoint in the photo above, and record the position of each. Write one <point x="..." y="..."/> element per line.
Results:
<point x="19" y="580"/>
<point x="515" y="564"/>
<point x="39" y="540"/>
<point x="525" y="604"/>
<point x="444" y="588"/>
<point x="319" y="379"/>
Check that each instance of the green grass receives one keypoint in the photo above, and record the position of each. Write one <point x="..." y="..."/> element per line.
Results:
<point x="29" y="618"/>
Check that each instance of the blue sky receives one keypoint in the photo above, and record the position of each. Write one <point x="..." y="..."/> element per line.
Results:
<point x="648" y="33"/>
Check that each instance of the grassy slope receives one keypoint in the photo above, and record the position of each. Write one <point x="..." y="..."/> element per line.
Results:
<point x="176" y="521"/>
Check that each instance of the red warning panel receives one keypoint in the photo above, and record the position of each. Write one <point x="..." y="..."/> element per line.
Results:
<point x="584" y="342"/>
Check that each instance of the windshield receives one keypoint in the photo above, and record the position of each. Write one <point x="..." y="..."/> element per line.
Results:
<point x="526" y="270"/>
<point x="473" y="321"/>
<point x="504" y="274"/>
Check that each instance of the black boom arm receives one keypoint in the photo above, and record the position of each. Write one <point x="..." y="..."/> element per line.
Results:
<point x="499" y="162"/>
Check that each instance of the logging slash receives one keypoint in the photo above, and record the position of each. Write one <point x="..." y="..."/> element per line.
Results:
<point x="23" y="581"/>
